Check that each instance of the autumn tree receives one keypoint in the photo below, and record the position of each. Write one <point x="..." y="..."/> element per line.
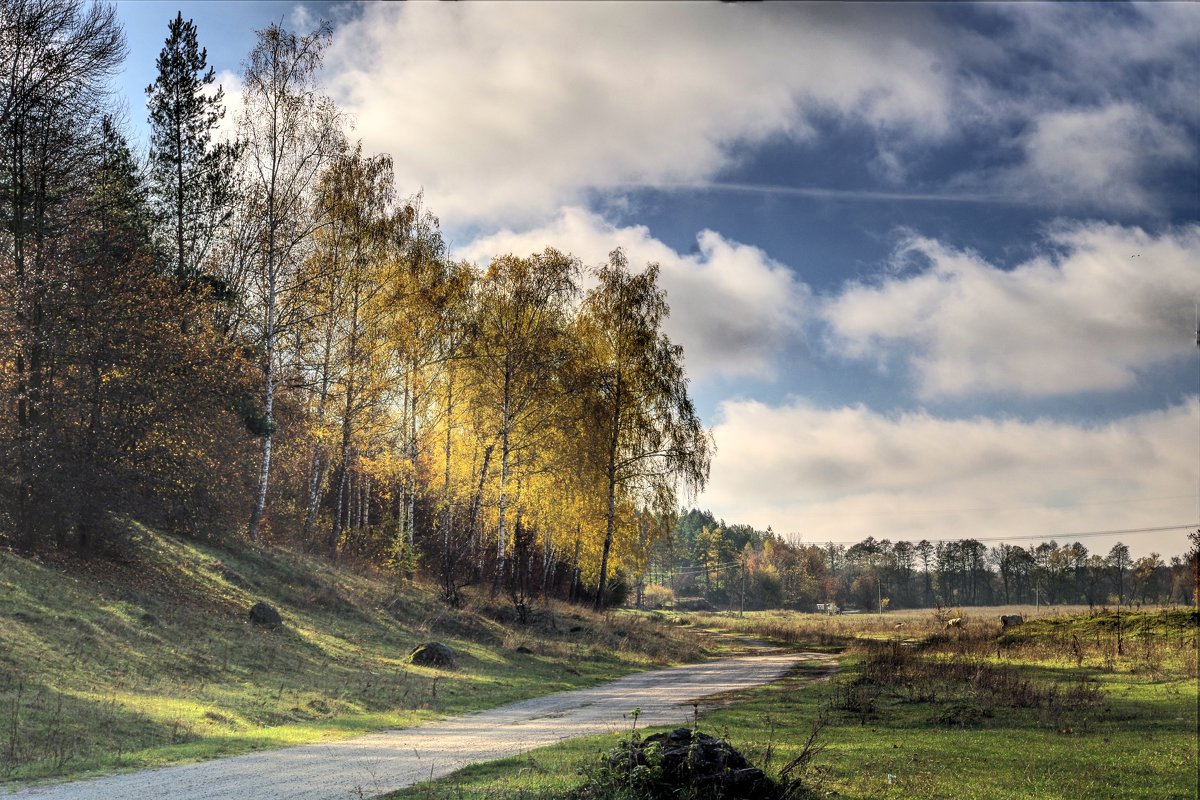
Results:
<point x="146" y="420"/>
<point x="647" y="430"/>
<point x="291" y="131"/>
<point x="429" y="324"/>
<point x="55" y="59"/>
<point x="354" y="199"/>
<point x="517" y="360"/>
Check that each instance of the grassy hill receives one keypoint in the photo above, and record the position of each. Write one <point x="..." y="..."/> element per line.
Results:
<point x="149" y="658"/>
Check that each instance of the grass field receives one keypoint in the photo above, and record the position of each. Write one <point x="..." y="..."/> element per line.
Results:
<point x="109" y="665"/>
<point x="1068" y="705"/>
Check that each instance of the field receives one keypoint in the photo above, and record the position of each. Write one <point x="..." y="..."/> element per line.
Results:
<point x="1072" y="704"/>
<point x="108" y="665"/>
<point x="112" y="665"/>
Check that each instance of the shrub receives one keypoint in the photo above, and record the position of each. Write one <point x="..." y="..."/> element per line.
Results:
<point x="657" y="596"/>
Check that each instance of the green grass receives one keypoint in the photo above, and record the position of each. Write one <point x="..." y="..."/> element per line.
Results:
<point x="934" y="728"/>
<point x="108" y="665"/>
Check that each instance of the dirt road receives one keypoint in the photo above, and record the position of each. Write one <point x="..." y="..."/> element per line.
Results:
<point x="382" y="762"/>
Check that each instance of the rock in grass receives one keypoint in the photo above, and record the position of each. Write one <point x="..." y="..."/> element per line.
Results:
<point x="687" y="763"/>
<point x="265" y="615"/>
<point x="432" y="654"/>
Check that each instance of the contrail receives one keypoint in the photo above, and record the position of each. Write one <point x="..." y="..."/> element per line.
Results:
<point x="823" y="193"/>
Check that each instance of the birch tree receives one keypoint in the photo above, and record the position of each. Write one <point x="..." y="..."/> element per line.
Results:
<point x="354" y="199"/>
<point x="645" y="426"/>
<point x="518" y="357"/>
<point x="291" y="131"/>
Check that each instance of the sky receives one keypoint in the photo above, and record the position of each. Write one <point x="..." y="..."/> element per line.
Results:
<point x="935" y="268"/>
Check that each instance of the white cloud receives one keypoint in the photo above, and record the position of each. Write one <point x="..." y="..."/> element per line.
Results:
<point x="1117" y="301"/>
<point x="845" y="473"/>
<point x="1100" y="52"/>
<point x="503" y="112"/>
<point x="732" y="308"/>
<point x="1101" y="156"/>
<point x="231" y="85"/>
<point x="302" y="19"/>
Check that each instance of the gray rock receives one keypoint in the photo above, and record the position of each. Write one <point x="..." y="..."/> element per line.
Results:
<point x="432" y="654"/>
<point x="265" y="615"/>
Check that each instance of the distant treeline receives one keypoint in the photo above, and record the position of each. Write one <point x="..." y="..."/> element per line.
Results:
<point x="726" y="563"/>
<point x="247" y="333"/>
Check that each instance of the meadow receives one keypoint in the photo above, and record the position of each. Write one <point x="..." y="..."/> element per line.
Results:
<point x="1074" y="703"/>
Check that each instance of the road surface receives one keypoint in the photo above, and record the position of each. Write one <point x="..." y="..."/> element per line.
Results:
<point x="371" y="765"/>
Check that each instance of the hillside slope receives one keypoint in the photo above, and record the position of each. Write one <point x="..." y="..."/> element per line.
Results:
<point x="150" y="659"/>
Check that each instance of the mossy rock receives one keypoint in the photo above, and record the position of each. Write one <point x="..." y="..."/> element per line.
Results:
<point x="265" y="615"/>
<point x="432" y="654"/>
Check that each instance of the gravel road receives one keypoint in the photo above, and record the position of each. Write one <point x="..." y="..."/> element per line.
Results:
<point x="371" y="765"/>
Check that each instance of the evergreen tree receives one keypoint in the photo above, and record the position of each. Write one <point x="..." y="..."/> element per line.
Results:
<point x="191" y="177"/>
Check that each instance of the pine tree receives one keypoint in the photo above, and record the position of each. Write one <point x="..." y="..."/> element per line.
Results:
<point x="191" y="177"/>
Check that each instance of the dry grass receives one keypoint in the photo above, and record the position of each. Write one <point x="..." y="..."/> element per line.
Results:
<point x="1157" y="642"/>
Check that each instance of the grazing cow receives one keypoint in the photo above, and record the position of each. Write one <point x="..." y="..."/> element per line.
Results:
<point x="954" y="623"/>
<point x="899" y="625"/>
<point x="1009" y="620"/>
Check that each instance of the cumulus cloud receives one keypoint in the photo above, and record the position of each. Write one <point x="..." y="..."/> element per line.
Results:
<point x="842" y="474"/>
<point x="1113" y="301"/>
<point x="732" y="308"/>
<point x="1100" y="156"/>
<point x="503" y="112"/>
<point x="1095" y="53"/>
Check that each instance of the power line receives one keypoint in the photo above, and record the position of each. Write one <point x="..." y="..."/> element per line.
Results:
<point x="1054" y="507"/>
<point x="1043" y="537"/>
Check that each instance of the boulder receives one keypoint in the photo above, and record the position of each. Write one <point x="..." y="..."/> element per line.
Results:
<point x="265" y="615"/>
<point x="694" y="764"/>
<point x="432" y="654"/>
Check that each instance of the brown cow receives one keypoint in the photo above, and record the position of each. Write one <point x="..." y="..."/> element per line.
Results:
<point x="954" y="623"/>
<point x="1009" y="620"/>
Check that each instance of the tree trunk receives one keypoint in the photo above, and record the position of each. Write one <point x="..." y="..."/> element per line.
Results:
<point x="502" y="532"/>
<point x="264" y="473"/>
<point x="320" y="463"/>
<point x="610" y="522"/>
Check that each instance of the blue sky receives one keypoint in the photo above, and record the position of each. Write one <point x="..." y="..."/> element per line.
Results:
<point x="934" y="267"/>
